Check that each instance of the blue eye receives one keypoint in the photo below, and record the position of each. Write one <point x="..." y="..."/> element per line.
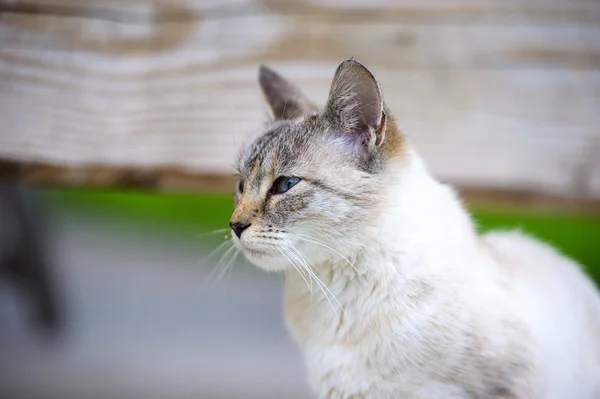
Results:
<point x="283" y="184"/>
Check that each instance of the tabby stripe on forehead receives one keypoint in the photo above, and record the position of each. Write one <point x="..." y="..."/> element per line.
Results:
<point x="262" y="146"/>
<point x="255" y="177"/>
<point x="273" y="165"/>
<point x="259" y="175"/>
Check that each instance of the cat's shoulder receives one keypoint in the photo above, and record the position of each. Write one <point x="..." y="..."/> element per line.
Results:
<point x="528" y="261"/>
<point x="516" y="245"/>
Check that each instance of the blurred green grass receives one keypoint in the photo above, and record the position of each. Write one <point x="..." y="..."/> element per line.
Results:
<point x="577" y="236"/>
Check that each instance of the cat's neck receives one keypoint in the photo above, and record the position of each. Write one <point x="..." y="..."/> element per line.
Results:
<point x="424" y="220"/>
<point x="419" y="219"/>
<point x="423" y="236"/>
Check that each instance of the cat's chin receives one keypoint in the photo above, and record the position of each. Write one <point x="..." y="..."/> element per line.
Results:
<point x="265" y="260"/>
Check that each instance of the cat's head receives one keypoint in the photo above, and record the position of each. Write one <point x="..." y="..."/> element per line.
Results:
<point x="311" y="184"/>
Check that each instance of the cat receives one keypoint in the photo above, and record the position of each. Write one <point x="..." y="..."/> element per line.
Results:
<point x="390" y="292"/>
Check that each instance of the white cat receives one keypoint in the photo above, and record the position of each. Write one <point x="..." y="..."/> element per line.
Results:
<point x="390" y="291"/>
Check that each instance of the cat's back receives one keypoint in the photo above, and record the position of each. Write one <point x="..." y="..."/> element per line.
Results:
<point x="561" y="307"/>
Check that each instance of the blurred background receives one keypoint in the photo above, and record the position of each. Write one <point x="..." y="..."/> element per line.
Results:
<point x="119" y="125"/>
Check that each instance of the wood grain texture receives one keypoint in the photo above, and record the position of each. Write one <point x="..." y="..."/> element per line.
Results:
<point x="495" y="94"/>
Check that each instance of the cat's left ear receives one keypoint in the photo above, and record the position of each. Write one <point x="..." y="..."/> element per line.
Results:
<point x="284" y="99"/>
<point x="355" y="105"/>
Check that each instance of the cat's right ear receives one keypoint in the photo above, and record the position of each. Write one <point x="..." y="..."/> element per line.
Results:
<point x="284" y="99"/>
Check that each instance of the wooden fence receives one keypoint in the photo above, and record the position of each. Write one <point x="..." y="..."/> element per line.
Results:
<point x="501" y="97"/>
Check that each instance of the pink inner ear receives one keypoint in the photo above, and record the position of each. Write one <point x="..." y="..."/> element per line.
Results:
<point x="355" y="142"/>
<point x="355" y="100"/>
<point x="369" y="103"/>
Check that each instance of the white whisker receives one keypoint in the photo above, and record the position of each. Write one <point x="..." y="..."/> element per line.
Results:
<point x="288" y="247"/>
<point x="214" y="251"/>
<point x="320" y="283"/>
<point x="229" y="264"/>
<point x="329" y="236"/>
<point x="296" y="255"/>
<point x="213" y="232"/>
<point x="295" y="267"/>
<point x="225" y="254"/>
<point x="306" y="238"/>
<point x="219" y="263"/>
<point x="299" y="263"/>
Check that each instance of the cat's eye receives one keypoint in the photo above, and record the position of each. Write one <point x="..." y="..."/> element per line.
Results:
<point x="241" y="186"/>
<point x="283" y="184"/>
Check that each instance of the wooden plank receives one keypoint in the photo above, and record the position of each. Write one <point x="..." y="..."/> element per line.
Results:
<point x="494" y="94"/>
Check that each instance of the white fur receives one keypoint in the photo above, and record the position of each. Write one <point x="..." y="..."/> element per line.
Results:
<point x="422" y="280"/>
<point x="390" y="291"/>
